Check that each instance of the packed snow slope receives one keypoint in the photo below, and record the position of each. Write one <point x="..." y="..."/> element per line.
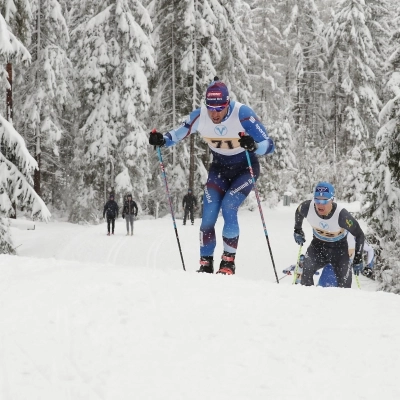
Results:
<point x="84" y="316"/>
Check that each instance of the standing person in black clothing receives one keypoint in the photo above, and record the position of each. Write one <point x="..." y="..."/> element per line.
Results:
<point x="111" y="209"/>
<point x="330" y="223"/>
<point x="129" y="212"/>
<point x="189" y="202"/>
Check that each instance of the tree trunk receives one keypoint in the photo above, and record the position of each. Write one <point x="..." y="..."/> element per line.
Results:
<point x="9" y="99"/>
<point x="191" y="168"/>
<point x="9" y="117"/>
<point x="173" y="92"/>
<point x="37" y="173"/>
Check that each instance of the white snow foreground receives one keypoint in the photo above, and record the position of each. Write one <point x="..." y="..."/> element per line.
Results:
<point x="136" y="326"/>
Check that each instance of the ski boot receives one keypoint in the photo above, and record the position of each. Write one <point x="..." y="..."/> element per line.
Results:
<point x="227" y="266"/>
<point x="206" y="264"/>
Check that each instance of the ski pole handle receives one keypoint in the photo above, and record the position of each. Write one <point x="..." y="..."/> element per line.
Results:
<point x="153" y="132"/>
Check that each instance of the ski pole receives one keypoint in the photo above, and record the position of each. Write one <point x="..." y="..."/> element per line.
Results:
<point x="297" y="265"/>
<point x="358" y="282"/>
<point x="284" y="276"/>
<point x="259" y="207"/>
<point x="164" y="175"/>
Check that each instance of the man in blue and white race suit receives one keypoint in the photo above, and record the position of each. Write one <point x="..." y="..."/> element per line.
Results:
<point x="330" y="223"/>
<point x="229" y="182"/>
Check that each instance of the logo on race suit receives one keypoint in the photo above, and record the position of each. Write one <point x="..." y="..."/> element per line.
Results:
<point x="264" y="135"/>
<point x="252" y="119"/>
<point x="349" y="223"/>
<point x="207" y="195"/>
<point x="249" y="182"/>
<point x="324" y="225"/>
<point x="221" y="130"/>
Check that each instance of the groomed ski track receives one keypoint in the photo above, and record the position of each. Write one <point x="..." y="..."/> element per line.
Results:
<point x="86" y="316"/>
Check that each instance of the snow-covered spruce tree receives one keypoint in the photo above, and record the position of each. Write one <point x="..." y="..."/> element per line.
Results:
<point x="279" y="170"/>
<point x="18" y="14"/>
<point x="303" y="34"/>
<point x="170" y="103"/>
<point x="45" y="92"/>
<point x="15" y="175"/>
<point x="302" y="57"/>
<point x="353" y="69"/>
<point x="313" y="162"/>
<point x="382" y="189"/>
<point x="268" y="96"/>
<point x="351" y="187"/>
<point x="15" y="16"/>
<point x="114" y="56"/>
<point x="236" y="41"/>
<point x="357" y="36"/>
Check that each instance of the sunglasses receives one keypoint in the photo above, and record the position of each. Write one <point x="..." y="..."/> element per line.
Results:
<point x="217" y="108"/>
<point x="320" y="201"/>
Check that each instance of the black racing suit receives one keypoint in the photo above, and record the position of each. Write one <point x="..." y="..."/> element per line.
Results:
<point x="321" y="252"/>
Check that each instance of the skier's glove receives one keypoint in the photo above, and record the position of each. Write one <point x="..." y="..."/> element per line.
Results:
<point x="299" y="236"/>
<point x="367" y="272"/>
<point x="156" y="138"/>
<point x="247" y="142"/>
<point x="357" y="268"/>
<point x="358" y="265"/>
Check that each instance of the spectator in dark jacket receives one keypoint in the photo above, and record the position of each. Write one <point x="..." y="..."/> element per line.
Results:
<point x="189" y="202"/>
<point x="129" y="211"/>
<point x="111" y="210"/>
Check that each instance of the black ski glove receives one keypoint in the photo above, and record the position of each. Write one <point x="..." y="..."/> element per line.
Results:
<point x="156" y="138"/>
<point x="299" y="236"/>
<point x="368" y="272"/>
<point x="358" y="265"/>
<point x="247" y="142"/>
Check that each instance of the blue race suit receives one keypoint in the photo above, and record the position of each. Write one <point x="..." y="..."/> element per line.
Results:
<point x="229" y="180"/>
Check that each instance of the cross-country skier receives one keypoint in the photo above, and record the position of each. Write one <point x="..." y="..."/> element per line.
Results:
<point x="328" y="277"/>
<point x="111" y="210"/>
<point x="129" y="212"/>
<point x="299" y="269"/>
<point x="330" y="223"/>
<point x="229" y="182"/>
<point x="189" y="202"/>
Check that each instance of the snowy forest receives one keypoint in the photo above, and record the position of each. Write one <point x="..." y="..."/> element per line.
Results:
<point x="84" y="81"/>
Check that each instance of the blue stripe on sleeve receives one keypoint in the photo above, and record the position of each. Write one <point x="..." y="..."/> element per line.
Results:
<point x="188" y="127"/>
<point x="253" y="127"/>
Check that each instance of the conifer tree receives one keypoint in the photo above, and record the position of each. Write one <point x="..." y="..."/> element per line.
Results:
<point x="354" y="66"/>
<point x="45" y="92"/>
<point x="268" y="96"/>
<point x="114" y="55"/>
<point x="382" y="188"/>
<point x="15" y="175"/>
